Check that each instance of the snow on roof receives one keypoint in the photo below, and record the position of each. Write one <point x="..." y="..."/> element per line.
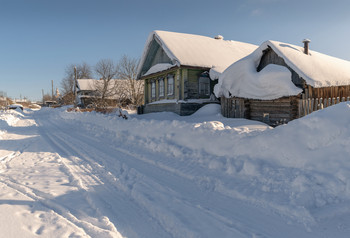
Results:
<point x="86" y="84"/>
<point x="196" y="50"/>
<point x="92" y="84"/>
<point x="158" y="68"/>
<point x="318" y="70"/>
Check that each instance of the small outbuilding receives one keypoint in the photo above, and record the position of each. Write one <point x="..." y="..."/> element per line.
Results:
<point x="280" y="82"/>
<point x="180" y="70"/>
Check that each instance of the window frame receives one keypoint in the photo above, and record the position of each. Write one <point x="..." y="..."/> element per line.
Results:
<point x="161" y="87"/>
<point x="153" y="89"/>
<point x="170" y="87"/>
<point x="205" y="84"/>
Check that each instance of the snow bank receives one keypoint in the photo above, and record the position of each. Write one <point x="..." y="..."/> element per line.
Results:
<point x="10" y="118"/>
<point x="293" y="169"/>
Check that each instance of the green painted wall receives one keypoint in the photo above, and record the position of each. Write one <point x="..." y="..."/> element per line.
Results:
<point x="185" y="85"/>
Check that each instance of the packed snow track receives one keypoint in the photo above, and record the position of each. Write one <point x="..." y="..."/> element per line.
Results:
<point x="92" y="175"/>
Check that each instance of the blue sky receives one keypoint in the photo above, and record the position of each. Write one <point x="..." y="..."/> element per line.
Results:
<point x="39" y="38"/>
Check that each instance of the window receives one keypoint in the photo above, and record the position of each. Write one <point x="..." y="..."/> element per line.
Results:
<point x="170" y="85"/>
<point x="266" y="117"/>
<point x="161" y="87"/>
<point x="204" y="85"/>
<point x="153" y="89"/>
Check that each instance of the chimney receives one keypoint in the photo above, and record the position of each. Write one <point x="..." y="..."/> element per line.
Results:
<point x="306" y="46"/>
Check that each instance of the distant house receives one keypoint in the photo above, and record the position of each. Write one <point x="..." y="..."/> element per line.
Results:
<point x="280" y="82"/>
<point x="89" y="92"/>
<point x="180" y="70"/>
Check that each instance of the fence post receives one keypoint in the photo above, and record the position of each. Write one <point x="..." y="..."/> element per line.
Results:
<point x="325" y="103"/>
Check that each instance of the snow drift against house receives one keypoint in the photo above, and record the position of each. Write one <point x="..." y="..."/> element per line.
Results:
<point x="198" y="51"/>
<point x="318" y="70"/>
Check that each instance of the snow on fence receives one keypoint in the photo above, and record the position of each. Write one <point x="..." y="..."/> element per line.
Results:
<point x="308" y="105"/>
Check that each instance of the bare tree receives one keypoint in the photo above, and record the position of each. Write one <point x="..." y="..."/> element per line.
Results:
<point x="67" y="83"/>
<point x="127" y="70"/>
<point x="106" y="71"/>
<point x="47" y="97"/>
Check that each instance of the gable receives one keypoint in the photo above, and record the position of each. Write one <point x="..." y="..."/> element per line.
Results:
<point x="270" y="57"/>
<point x="155" y="55"/>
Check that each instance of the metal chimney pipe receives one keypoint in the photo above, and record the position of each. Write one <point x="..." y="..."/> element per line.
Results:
<point x="306" y="46"/>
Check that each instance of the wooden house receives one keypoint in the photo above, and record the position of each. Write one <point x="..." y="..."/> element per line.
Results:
<point x="89" y="92"/>
<point x="180" y="70"/>
<point x="280" y="82"/>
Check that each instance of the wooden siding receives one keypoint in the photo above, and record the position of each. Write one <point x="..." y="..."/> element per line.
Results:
<point x="155" y="55"/>
<point x="272" y="112"/>
<point x="182" y="109"/>
<point x="186" y="86"/>
<point x="327" y="92"/>
<point x="279" y="111"/>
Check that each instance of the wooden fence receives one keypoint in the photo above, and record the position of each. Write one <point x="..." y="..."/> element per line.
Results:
<point x="309" y="105"/>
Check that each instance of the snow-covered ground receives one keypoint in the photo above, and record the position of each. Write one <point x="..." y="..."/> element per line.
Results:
<point x="72" y="174"/>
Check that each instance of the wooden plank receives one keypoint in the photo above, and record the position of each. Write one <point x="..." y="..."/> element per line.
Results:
<point x="272" y="115"/>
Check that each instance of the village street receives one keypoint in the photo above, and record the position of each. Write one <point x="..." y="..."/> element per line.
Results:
<point x="60" y="178"/>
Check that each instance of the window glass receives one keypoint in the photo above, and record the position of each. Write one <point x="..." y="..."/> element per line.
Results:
<point x="161" y="87"/>
<point x="153" y="89"/>
<point x="170" y="85"/>
<point x="204" y="85"/>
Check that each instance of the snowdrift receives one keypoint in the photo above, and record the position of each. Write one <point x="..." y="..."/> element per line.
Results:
<point x="294" y="168"/>
<point x="204" y="173"/>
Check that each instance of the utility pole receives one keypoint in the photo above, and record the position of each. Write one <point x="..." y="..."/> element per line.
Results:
<point x="52" y="90"/>
<point x="42" y="91"/>
<point x="75" y="86"/>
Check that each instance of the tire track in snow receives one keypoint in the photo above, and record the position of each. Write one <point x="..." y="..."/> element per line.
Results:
<point x="169" y="221"/>
<point x="6" y="159"/>
<point x="74" y="157"/>
<point x="80" y="176"/>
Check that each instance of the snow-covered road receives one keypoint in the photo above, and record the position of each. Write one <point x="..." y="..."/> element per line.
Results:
<point x="90" y="175"/>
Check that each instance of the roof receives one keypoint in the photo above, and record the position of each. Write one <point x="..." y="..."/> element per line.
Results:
<point x="183" y="49"/>
<point x="86" y="84"/>
<point x="317" y="69"/>
<point x="116" y="88"/>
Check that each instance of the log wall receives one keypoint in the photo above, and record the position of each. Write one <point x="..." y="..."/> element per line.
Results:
<point x="272" y="112"/>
